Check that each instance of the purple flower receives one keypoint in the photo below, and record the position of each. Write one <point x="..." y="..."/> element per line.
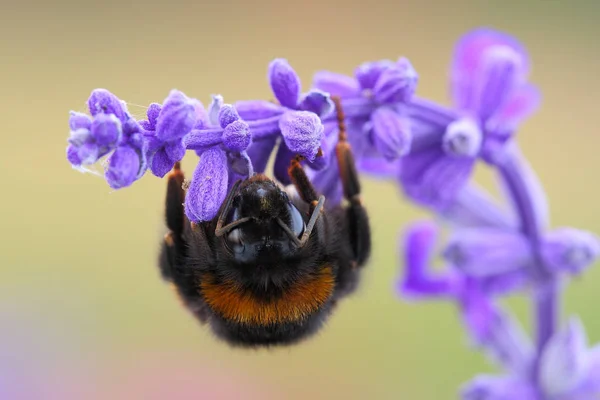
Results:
<point x="373" y="105"/>
<point x="377" y="127"/>
<point x="488" y="325"/>
<point x="487" y="387"/>
<point x="492" y="252"/>
<point x="110" y="131"/>
<point x="298" y="121"/>
<point x="221" y="145"/>
<point x="166" y="127"/>
<point x="491" y="98"/>
<point x="569" y="370"/>
<point x="208" y="187"/>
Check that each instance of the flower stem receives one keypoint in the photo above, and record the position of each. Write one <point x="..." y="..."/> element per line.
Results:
<point x="523" y="188"/>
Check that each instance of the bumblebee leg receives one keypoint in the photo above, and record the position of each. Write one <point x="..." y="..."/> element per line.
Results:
<point x="358" y="230"/>
<point x="303" y="185"/>
<point x="173" y="248"/>
<point x="308" y="194"/>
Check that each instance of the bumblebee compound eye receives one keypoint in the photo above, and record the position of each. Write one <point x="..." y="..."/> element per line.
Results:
<point x="297" y="224"/>
<point x="235" y="241"/>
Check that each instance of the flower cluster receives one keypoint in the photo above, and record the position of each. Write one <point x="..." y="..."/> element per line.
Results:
<point x="430" y="151"/>
<point x="491" y="253"/>
<point x="109" y="131"/>
<point x="235" y="141"/>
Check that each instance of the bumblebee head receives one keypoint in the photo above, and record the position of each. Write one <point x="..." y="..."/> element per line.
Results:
<point x="259" y="222"/>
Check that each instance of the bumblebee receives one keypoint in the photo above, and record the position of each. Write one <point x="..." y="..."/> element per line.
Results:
<point x="272" y="266"/>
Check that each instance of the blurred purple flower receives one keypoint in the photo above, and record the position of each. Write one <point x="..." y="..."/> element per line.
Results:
<point x="569" y="370"/>
<point x="491" y="98"/>
<point x="488" y="326"/>
<point x="491" y="253"/>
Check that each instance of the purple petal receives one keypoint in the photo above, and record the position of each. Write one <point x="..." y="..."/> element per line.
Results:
<point x="318" y="102"/>
<point x="495" y="82"/>
<point x="469" y="56"/>
<point x="161" y="163"/>
<point x="368" y="73"/>
<point x="88" y="153"/>
<point x="214" y="109"/>
<point x="432" y="178"/>
<point x="417" y="246"/>
<point x="227" y="115"/>
<point x="236" y="136"/>
<point x="143" y="158"/>
<point x="505" y="283"/>
<point x="391" y="133"/>
<point x="487" y="252"/>
<point x="563" y="362"/>
<point x="101" y="101"/>
<point x="202" y="139"/>
<point x="208" y="187"/>
<point x="138" y="141"/>
<point x="318" y="163"/>
<point x="131" y="127"/>
<point x="523" y="102"/>
<point x="123" y="167"/>
<point x="328" y="145"/>
<point x="260" y="151"/>
<point x="479" y="313"/>
<point x="175" y="150"/>
<point x="73" y="155"/>
<point x="474" y="207"/>
<point x="284" y="82"/>
<point x="378" y="168"/>
<point x="336" y="84"/>
<point x="397" y="83"/>
<point x="153" y="144"/>
<point x="487" y="387"/>
<point x="302" y="132"/>
<point x="590" y="385"/>
<point x="282" y="162"/>
<point x="106" y="129"/>
<point x="252" y="110"/>
<point x="146" y="125"/>
<point x="570" y="250"/>
<point x="494" y="330"/>
<point x="239" y="165"/>
<point x="152" y="113"/>
<point x="177" y="117"/>
<point x="202" y="119"/>
<point x="79" y="137"/>
<point x="523" y="190"/>
<point x="79" y="120"/>
<point x="462" y="138"/>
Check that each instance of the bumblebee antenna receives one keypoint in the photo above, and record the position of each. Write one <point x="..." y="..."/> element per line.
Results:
<point x="313" y="220"/>
<point x="220" y="229"/>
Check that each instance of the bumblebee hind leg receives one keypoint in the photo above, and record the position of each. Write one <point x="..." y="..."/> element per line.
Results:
<point x="173" y="249"/>
<point x="358" y="230"/>
<point x="173" y="261"/>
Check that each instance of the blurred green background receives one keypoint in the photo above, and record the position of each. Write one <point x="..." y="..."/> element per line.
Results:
<point x="83" y="312"/>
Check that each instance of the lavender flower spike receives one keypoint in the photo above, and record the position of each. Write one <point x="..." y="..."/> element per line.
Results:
<point x="491" y="255"/>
